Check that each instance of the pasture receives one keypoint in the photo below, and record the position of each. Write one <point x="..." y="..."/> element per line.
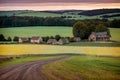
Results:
<point x="84" y="68"/>
<point x="48" y="31"/>
<point x="37" y="31"/>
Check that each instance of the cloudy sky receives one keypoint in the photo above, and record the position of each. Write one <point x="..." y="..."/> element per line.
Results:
<point x="57" y="4"/>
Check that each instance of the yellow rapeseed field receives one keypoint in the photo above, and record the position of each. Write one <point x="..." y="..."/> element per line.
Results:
<point x="19" y="49"/>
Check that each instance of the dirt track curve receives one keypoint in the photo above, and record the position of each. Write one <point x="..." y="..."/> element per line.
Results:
<point x="27" y="71"/>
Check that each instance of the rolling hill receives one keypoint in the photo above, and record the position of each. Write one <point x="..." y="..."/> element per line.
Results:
<point x="69" y="14"/>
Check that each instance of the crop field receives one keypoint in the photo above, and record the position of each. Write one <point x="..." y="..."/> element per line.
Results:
<point x="19" y="49"/>
<point x="48" y="31"/>
<point x="84" y="68"/>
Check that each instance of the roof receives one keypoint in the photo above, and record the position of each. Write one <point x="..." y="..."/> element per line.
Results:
<point x="99" y="34"/>
<point x="51" y="40"/>
<point x="35" y="38"/>
<point x="64" y="40"/>
<point x="24" y="39"/>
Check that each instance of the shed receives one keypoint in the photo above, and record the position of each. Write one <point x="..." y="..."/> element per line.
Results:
<point x="23" y="40"/>
<point x="36" y="39"/>
<point x="63" y="41"/>
<point x="52" y="41"/>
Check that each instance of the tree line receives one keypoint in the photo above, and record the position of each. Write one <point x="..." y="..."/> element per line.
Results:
<point x="21" y="21"/>
<point x="45" y="38"/>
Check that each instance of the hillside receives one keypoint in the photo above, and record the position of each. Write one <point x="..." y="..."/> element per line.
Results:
<point x="68" y="14"/>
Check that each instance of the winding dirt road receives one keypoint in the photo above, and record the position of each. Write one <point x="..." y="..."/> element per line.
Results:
<point x="27" y="71"/>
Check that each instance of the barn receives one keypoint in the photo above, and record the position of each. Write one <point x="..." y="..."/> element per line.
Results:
<point x="63" y="41"/>
<point x="99" y="36"/>
<point x="52" y="41"/>
<point x="36" y="39"/>
<point x="23" y="40"/>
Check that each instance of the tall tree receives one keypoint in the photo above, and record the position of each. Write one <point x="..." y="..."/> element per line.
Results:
<point x="9" y="39"/>
<point x="80" y="29"/>
<point x="57" y="37"/>
<point x="2" y="38"/>
<point x="15" y="38"/>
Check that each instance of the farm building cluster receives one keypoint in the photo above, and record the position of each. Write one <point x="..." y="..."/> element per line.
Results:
<point x="37" y="39"/>
<point x="94" y="36"/>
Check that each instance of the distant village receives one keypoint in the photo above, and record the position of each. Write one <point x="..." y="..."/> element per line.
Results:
<point x="99" y="36"/>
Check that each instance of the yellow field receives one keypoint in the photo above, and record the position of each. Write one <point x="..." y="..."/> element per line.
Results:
<point x="53" y="49"/>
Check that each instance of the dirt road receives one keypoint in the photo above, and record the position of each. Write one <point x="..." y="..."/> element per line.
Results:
<point x="27" y="71"/>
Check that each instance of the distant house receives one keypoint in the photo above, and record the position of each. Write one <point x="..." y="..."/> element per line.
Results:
<point x="52" y="41"/>
<point x="36" y="39"/>
<point x="23" y="40"/>
<point x="99" y="36"/>
<point x="63" y="41"/>
<point x="76" y="39"/>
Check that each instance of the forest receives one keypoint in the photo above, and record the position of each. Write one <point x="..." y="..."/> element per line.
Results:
<point x="20" y="21"/>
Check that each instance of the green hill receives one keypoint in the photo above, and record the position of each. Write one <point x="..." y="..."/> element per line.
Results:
<point x="68" y="14"/>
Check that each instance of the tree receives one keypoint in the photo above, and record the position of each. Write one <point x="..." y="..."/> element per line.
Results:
<point x="15" y="38"/>
<point x="101" y="28"/>
<point x="46" y="38"/>
<point x="9" y="39"/>
<point x="57" y="37"/>
<point x="80" y="29"/>
<point x="2" y="38"/>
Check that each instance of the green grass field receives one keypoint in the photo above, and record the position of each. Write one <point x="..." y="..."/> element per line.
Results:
<point x="36" y="31"/>
<point x="95" y="44"/>
<point x="48" y="31"/>
<point x="84" y="68"/>
<point x="39" y="14"/>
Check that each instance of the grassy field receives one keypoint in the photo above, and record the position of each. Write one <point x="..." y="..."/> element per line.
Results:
<point x="24" y="59"/>
<point x="39" y="14"/>
<point x="48" y="31"/>
<point x="36" y="31"/>
<point x="95" y="44"/>
<point x="18" y="49"/>
<point x="84" y="68"/>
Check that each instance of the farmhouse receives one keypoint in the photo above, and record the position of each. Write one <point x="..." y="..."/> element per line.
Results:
<point x="36" y="39"/>
<point x="52" y="41"/>
<point x="23" y="40"/>
<point x="99" y="36"/>
<point x="63" y="41"/>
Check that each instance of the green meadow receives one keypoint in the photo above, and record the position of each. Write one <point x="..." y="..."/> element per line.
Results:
<point x="84" y="68"/>
<point x="48" y="31"/>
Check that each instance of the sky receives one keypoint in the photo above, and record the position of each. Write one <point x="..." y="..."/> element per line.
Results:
<point x="57" y="4"/>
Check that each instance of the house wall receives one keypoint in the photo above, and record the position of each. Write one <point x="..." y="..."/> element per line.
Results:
<point x="92" y="38"/>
